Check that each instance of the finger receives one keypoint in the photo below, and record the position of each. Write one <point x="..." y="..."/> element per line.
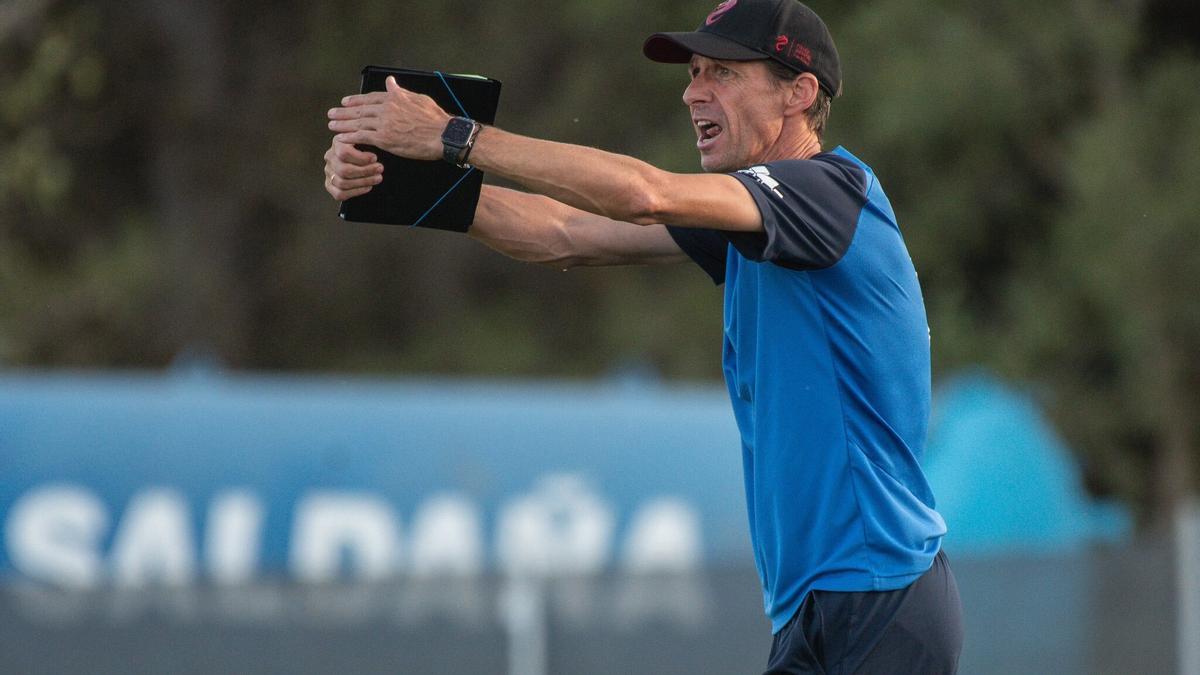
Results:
<point x="372" y="98"/>
<point x="354" y="112"/>
<point x="354" y="183"/>
<point x="367" y="123"/>
<point x="362" y="136"/>
<point x="339" y="187"/>
<point x="392" y="86"/>
<point x="354" y="193"/>
<point x="346" y="152"/>
<point x="343" y="195"/>
<point x="354" y="171"/>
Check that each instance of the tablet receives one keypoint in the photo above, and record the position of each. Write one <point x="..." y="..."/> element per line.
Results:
<point x="436" y="193"/>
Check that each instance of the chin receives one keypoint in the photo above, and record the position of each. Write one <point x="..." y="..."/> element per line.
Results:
<point x="716" y="165"/>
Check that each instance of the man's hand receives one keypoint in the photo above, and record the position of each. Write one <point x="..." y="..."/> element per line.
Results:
<point x="350" y="172"/>
<point x="397" y="120"/>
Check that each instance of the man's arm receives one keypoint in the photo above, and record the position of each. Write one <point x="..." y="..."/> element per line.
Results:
<point x="615" y="186"/>
<point x="538" y="229"/>
<point x="527" y="227"/>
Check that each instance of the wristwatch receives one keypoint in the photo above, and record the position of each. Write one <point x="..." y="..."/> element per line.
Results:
<point x="458" y="139"/>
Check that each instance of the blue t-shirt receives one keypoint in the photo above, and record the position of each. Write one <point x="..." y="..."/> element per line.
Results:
<point x="826" y="357"/>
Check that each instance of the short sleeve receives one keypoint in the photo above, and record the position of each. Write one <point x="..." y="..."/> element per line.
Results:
<point x="810" y="210"/>
<point x="707" y="248"/>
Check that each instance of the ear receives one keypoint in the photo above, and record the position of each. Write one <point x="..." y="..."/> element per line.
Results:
<point x="802" y="94"/>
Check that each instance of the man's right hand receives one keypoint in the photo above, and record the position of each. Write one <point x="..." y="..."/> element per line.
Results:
<point x="350" y="172"/>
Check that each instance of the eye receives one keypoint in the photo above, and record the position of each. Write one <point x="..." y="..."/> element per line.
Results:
<point x="693" y="72"/>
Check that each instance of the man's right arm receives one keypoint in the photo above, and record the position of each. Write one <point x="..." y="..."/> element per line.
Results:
<point x="527" y="227"/>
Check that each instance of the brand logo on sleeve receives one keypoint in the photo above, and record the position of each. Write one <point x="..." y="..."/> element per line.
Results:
<point x="762" y="175"/>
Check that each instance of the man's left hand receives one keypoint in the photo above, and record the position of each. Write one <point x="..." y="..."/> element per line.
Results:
<point x="399" y="121"/>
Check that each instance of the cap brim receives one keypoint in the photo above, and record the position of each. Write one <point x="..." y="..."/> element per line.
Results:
<point x="679" y="48"/>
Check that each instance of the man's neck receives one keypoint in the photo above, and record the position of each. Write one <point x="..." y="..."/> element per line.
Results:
<point x="812" y="146"/>
<point x="800" y="146"/>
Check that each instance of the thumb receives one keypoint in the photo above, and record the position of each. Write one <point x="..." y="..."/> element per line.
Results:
<point x="391" y="85"/>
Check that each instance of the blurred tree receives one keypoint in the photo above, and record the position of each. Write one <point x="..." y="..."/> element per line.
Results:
<point x="1112" y="322"/>
<point x="964" y="109"/>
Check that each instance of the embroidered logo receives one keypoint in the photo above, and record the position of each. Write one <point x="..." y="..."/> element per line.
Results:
<point x="793" y="49"/>
<point x="802" y="54"/>
<point x="719" y="12"/>
<point x="763" y="175"/>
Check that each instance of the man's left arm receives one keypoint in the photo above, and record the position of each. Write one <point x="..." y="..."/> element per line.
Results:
<point x="616" y="186"/>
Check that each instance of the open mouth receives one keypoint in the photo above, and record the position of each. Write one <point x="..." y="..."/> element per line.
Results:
<point x="708" y="132"/>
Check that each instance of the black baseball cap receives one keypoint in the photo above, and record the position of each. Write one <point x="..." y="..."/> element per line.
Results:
<point x="748" y="30"/>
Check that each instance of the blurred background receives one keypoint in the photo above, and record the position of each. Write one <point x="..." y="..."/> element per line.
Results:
<point x="240" y="435"/>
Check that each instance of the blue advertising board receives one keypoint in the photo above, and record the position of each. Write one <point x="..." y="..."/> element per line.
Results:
<point x="182" y="477"/>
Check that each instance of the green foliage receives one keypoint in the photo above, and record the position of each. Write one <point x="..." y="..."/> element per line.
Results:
<point x="1120" y="284"/>
<point x="160" y="190"/>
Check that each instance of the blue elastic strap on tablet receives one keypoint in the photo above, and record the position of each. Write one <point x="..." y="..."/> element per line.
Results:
<point x="456" y="101"/>
<point x="464" y="176"/>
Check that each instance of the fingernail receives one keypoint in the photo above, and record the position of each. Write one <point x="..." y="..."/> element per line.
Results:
<point x="345" y="100"/>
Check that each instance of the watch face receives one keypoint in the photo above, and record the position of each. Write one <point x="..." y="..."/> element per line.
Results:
<point x="458" y="131"/>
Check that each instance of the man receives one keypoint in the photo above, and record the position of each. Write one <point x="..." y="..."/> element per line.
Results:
<point x="826" y="349"/>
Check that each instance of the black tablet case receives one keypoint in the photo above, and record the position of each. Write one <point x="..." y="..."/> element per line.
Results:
<point x="411" y="188"/>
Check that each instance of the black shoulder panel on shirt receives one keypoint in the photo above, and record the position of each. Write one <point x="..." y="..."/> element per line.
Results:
<point x="707" y="248"/>
<point x="810" y="210"/>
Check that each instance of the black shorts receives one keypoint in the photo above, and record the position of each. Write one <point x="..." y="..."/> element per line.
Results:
<point x="917" y="629"/>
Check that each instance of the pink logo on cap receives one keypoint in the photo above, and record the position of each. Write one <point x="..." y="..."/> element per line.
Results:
<point x="720" y="12"/>
<point x="803" y="54"/>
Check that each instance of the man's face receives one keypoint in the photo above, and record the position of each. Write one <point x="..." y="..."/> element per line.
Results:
<point x="737" y="112"/>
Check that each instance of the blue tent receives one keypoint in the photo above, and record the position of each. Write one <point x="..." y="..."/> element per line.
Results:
<point x="1004" y="481"/>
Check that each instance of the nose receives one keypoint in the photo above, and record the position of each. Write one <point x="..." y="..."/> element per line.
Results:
<point x="696" y="91"/>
